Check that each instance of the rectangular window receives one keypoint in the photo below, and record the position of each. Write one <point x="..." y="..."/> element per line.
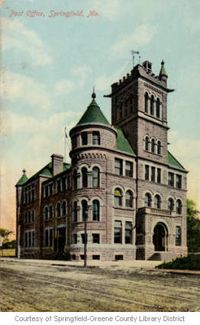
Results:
<point x="170" y="179"/>
<point x="178" y="236"/>
<point x="118" y="232"/>
<point x="46" y="235"/>
<point x="129" y="169"/>
<point x="96" y="238"/>
<point x="75" y="239"/>
<point x="128" y="232"/>
<point x="26" y="239"/>
<point x="178" y="181"/>
<point x="74" y="141"/>
<point x="146" y="172"/>
<point x="118" y="166"/>
<point x="153" y="174"/>
<point x="83" y="238"/>
<point x="51" y="237"/>
<point x="96" y="138"/>
<point x="158" y="175"/>
<point x="84" y="138"/>
<point x="33" y="239"/>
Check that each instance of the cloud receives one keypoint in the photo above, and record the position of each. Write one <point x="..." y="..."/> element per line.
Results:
<point x="20" y="87"/>
<point x="64" y="87"/>
<point x="18" y="37"/>
<point x="141" y="36"/>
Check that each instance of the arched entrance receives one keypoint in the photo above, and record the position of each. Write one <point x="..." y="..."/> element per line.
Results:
<point x="160" y="237"/>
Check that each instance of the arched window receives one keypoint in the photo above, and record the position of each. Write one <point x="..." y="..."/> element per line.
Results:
<point x="159" y="147"/>
<point x="147" y="143"/>
<point x="157" y="201"/>
<point x="84" y="177"/>
<point x="95" y="177"/>
<point x="152" y="105"/>
<point x="84" y="206"/>
<point x="75" y="211"/>
<point x="153" y="144"/>
<point x="147" y="200"/>
<point x="95" y="210"/>
<point x="158" y="108"/>
<point x="129" y="199"/>
<point x="118" y="197"/>
<point x="170" y="204"/>
<point x="50" y="212"/>
<point x="96" y="138"/>
<point x="58" y="210"/>
<point x="178" y="206"/>
<point x="46" y="213"/>
<point x="63" y="208"/>
<point x="146" y="101"/>
<point x="75" y="178"/>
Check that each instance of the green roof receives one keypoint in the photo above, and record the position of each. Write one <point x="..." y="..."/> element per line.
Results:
<point x="122" y="143"/>
<point x="172" y="161"/>
<point x="93" y="114"/>
<point x="23" y="179"/>
<point x="162" y="70"/>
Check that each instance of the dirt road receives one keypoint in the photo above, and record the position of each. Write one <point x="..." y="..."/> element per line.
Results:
<point x="52" y="287"/>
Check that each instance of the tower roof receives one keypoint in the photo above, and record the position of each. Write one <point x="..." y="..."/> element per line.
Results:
<point x="93" y="114"/>
<point x="23" y="179"/>
<point x="162" y="70"/>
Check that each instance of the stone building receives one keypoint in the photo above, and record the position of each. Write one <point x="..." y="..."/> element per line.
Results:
<point x="124" y="193"/>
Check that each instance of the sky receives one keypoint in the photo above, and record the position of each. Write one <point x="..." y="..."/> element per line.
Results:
<point x="54" y="51"/>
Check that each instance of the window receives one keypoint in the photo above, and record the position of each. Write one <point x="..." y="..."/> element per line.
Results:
<point x="32" y="216"/>
<point x="178" y="206"/>
<point x="58" y="185"/>
<point x="147" y="200"/>
<point x="84" y="138"/>
<point x="170" y="179"/>
<point x="58" y="210"/>
<point x="84" y="177"/>
<point x="96" y="138"/>
<point x="76" y="177"/>
<point x="128" y="232"/>
<point x="153" y="144"/>
<point x="64" y="208"/>
<point x="178" y="181"/>
<point x="129" y="169"/>
<point x="153" y="174"/>
<point x="84" y="206"/>
<point x="170" y="204"/>
<point x="159" y="147"/>
<point x="50" y="212"/>
<point x="95" y="210"/>
<point x="48" y="237"/>
<point x="146" y="175"/>
<point x="118" y="197"/>
<point x="75" y="211"/>
<point x="129" y="199"/>
<point x="146" y="100"/>
<point x="158" y="175"/>
<point x="74" y="141"/>
<point x="158" y="108"/>
<point x="96" y="257"/>
<point x="118" y="232"/>
<point x="147" y="143"/>
<point x="83" y="238"/>
<point x="178" y="236"/>
<point x="152" y="105"/>
<point x="157" y="201"/>
<point x="46" y="215"/>
<point x="96" y="238"/>
<point x="95" y="177"/>
<point x="29" y="239"/>
<point x="118" y="166"/>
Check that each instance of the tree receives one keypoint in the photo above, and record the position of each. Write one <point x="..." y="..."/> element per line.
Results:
<point x="4" y="235"/>
<point x="193" y="227"/>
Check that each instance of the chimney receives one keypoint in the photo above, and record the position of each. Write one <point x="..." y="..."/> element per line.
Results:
<point x="57" y="164"/>
<point x="148" y="66"/>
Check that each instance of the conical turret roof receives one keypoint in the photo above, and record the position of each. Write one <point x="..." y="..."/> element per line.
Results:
<point x="23" y="179"/>
<point x="93" y="114"/>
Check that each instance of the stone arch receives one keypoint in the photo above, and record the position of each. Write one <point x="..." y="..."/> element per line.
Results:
<point x="160" y="237"/>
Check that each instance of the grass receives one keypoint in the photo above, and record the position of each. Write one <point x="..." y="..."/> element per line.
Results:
<point x="191" y="262"/>
<point x="7" y="252"/>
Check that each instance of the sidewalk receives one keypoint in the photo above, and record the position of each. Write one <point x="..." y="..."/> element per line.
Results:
<point x="126" y="266"/>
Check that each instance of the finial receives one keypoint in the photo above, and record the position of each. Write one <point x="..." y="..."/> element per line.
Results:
<point x="93" y="94"/>
<point x="24" y="171"/>
<point x="163" y="73"/>
<point x="162" y="63"/>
